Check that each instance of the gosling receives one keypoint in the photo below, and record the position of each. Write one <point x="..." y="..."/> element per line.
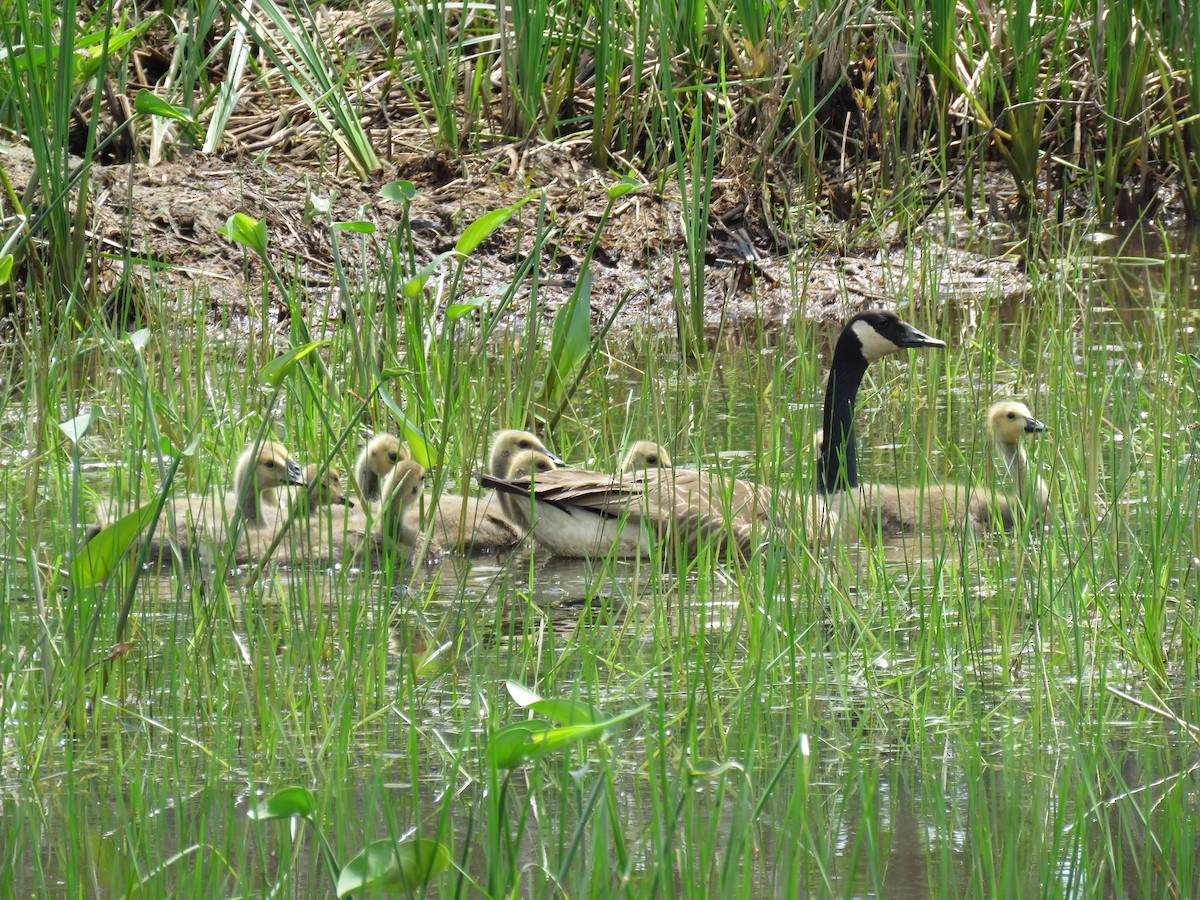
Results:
<point x="376" y="461"/>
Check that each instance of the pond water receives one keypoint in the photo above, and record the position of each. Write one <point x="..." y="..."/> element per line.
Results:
<point x="949" y="717"/>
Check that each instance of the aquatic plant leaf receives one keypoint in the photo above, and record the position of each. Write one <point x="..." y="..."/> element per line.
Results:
<point x="97" y="558"/>
<point x="483" y="227"/>
<point x="275" y="371"/>
<point x="284" y="804"/>
<point x="242" y="229"/>
<point x="140" y="339"/>
<point x="456" y="311"/>
<point x="413" y="287"/>
<point x="6" y="267"/>
<point x="564" y="712"/>
<point x="423" y="452"/>
<point x="149" y="103"/>
<point x="404" y="866"/>
<point x="76" y="429"/>
<point x="572" y="337"/>
<point x="357" y="227"/>
<point x="399" y="191"/>
<point x="522" y="741"/>
<point x="514" y="744"/>
<point x="626" y="185"/>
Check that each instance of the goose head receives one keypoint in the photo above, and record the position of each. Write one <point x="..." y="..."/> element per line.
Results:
<point x="528" y="464"/>
<point x="880" y="333"/>
<point x="1009" y="421"/>
<point x="403" y="486"/>
<point x="867" y="337"/>
<point x="508" y="445"/>
<point x="259" y="473"/>
<point x="382" y="453"/>
<point x="325" y="486"/>
<point x="645" y="455"/>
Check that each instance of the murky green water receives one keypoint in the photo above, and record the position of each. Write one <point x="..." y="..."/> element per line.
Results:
<point x="925" y="718"/>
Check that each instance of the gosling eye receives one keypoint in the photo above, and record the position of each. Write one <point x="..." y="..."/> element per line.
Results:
<point x="1012" y="415"/>
<point x="652" y="460"/>
<point x="523" y="444"/>
<point x="270" y="463"/>
<point x="392" y="456"/>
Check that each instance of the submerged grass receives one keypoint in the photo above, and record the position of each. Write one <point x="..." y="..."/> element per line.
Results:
<point x="958" y="717"/>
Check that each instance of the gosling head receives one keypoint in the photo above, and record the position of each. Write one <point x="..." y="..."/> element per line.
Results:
<point x="880" y="333"/>
<point x="1010" y="420"/>
<point x="271" y="467"/>
<point x="508" y="445"/>
<point x="325" y="486"/>
<point x="528" y="464"/>
<point x="403" y="486"/>
<point x="645" y="455"/>
<point x="382" y="453"/>
<point x="257" y="475"/>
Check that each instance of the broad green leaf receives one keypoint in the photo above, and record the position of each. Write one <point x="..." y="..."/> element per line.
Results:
<point x="626" y="185"/>
<point x="568" y="712"/>
<point x="413" y="287"/>
<point x="522" y="741"/>
<point x="564" y="712"/>
<point x="6" y="267"/>
<point x="521" y="695"/>
<point x="483" y="227"/>
<point x="357" y="227"/>
<point x="97" y="558"/>
<point x="252" y="233"/>
<point x="284" y="804"/>
<point x="76" y="429"/>
<point x="275" y="371"/>
<point x="572" y="337"/>
<point x="149" y="103"/>
<point x="514" y="744"/>
<point x="140" y="339"/>
<point x="456" y="311"/>
<point x="399" y="191"/>
<point x="405" y="866"/>
<point x="423" y="452"/>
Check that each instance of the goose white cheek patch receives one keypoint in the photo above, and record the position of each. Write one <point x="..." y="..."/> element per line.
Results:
<point x="874" y="344"/>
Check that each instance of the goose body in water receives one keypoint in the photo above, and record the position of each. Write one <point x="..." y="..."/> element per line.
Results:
<point x="470" y="524"/>
<point x="893" y="509"/>
<point x="593" y="514"/>
<point x="201" y="524"/>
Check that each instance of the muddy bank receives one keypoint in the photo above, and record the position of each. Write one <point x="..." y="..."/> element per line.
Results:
<point x="166" y="218"/>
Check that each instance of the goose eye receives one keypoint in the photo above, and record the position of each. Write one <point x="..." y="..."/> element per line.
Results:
<point x="652" y="460"/>
<point x="524" y="444"/>
<point x="1012" y="415"/>
<point x="392" y="457"/>
<point x="270" y="463"/>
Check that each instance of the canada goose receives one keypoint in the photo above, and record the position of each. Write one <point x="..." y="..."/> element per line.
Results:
<point x="507" y="444"/>
<point x="323" y="487"/>
<point x="577" y="513"/>
<point x="895" y="509"/>
<point x="401" y="492"/>
<point x="377" y="459"/>
<point x="1009" y="421"/>
<point x="195" y="522"/>
<point x="479" y="524"/>
<point x="343" y="534"/>
<point x="573" y="512"/>
<point x="645" y="455"/>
